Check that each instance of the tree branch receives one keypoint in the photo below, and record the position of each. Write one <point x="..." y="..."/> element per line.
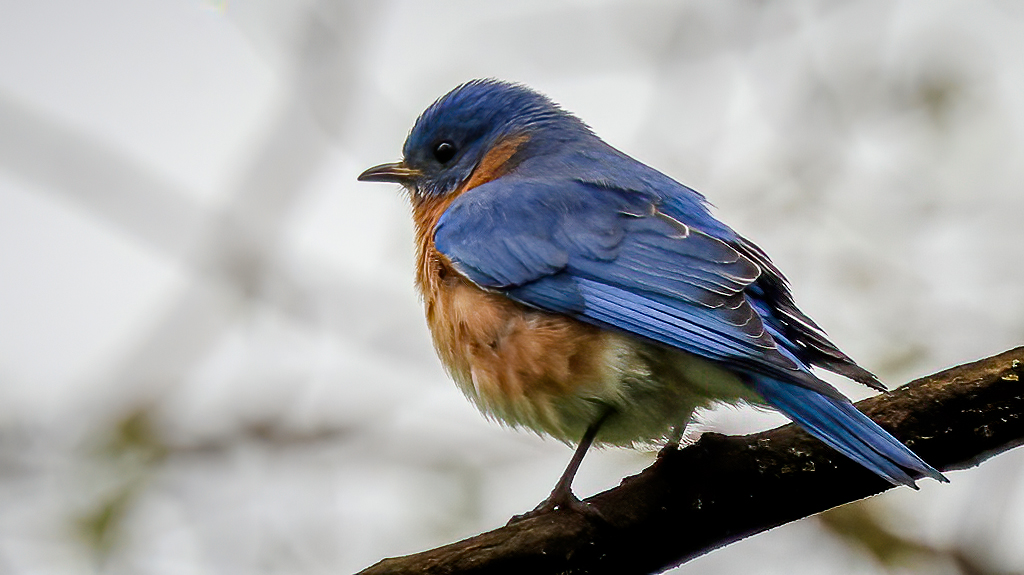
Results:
<point x="724" y="488"/>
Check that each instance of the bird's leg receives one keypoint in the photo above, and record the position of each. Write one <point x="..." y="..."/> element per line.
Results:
<point x="561" y="496"/>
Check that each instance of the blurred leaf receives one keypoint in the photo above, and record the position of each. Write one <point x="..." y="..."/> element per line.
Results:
<point x="130" y="455"/>
<point x="857" y="524"/>
<point x="135" y="435"/>
<point x="100" y="529"/>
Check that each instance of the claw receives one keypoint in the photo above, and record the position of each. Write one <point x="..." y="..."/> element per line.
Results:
<point x="561" y="500"/>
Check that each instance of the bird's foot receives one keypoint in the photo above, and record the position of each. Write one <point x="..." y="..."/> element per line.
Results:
<point x="559" y="500"/>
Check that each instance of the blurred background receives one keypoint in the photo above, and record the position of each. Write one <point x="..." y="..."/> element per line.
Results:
<point x="212" y="358"/>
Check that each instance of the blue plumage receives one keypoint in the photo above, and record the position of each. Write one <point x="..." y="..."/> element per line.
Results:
<point x="837" y="422"/>
<point x="567" y="225"/>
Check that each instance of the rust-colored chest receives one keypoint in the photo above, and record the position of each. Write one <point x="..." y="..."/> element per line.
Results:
<point x="510" y="359"/>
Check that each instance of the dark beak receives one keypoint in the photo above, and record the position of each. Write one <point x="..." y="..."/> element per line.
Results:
<point x="396" y="172"/>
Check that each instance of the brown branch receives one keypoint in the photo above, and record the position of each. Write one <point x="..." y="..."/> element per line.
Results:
<point x="724" y="488"/>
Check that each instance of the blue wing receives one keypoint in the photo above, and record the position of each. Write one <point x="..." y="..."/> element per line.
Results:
<point x="612" y="257"/>
<point x="662" y="268"/>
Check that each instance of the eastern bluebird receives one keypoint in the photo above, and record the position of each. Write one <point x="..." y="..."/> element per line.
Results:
<point x="575" y="291"/>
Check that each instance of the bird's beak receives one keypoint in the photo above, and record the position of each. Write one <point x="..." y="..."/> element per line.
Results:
<point x="396" y="172"/>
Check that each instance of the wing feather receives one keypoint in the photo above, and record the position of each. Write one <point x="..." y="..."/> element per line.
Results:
<point x="609" y="257"/>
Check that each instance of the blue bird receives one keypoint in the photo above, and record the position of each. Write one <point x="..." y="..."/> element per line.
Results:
<point x="575" y="291"/>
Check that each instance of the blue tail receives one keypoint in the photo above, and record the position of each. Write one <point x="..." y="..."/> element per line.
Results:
<point x="848" y="431"/>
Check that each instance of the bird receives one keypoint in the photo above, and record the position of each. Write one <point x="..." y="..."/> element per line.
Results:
<point x="575" y="291"/>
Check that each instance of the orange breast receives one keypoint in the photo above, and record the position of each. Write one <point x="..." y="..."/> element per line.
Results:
<point x="514" y="362"/>
<point x="500" y="352"/>
<point x="507" y="352"/>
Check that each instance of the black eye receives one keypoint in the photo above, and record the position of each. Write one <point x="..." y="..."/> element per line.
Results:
<point x="444" y="151"/>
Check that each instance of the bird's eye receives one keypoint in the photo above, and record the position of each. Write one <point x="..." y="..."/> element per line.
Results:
<point x="444" y="151"/>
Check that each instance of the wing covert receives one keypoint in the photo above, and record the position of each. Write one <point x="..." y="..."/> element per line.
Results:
<point x="610" y="257"/>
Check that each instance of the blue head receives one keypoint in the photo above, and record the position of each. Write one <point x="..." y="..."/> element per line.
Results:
<point x="453" y="135"/>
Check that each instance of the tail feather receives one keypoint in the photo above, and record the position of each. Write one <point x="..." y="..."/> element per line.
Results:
<point x="840" y="425"/>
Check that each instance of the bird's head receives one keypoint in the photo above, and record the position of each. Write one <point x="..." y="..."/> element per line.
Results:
<point x="452" y="138"/>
